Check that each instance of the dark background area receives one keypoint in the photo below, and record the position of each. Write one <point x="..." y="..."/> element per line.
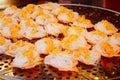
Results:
<point x="110" y="4"/>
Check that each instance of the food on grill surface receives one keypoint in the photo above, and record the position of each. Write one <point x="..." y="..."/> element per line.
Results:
<point x="46" y="45"/>
<point x="97" y="36"/>
<point x="62" y="60"/>
<point x="106" y="27"/>
<point x="59" y="33"/>
<point x="26" y="57"/>
<point x="107" y="49"/>
<point x="4" y="43"/>
<point x="86" y="56"/>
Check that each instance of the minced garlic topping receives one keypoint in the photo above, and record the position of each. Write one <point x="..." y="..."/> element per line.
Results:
<point x="30" y="8"/>
<point x="14" y="7"/>
<point x="29" y="54"/>
<point x="14" y="30"/>
<point x="50" y="44"/>
<point x="18" y="44"/>
<point x="7" y="21"/>
<point x="62" y="10"/>
<point x="99" y="33"/>
<point x="1" y="14"/>
<point x="107" y="48"/>
<point x="84" y="20"/>
<point x="2" y="40"/>
<point x="116" y="35"/>
<point x="108" y="25"/>
<point x="69" y="40"/>
<point x="84" y="52"/>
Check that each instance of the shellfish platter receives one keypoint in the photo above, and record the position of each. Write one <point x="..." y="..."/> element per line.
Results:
<point x="55" y="42"/>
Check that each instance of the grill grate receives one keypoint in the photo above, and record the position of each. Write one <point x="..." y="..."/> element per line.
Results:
<point x="45" y="72"/>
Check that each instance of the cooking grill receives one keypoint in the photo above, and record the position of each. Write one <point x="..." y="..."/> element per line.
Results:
<point x="45" y="72"/>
